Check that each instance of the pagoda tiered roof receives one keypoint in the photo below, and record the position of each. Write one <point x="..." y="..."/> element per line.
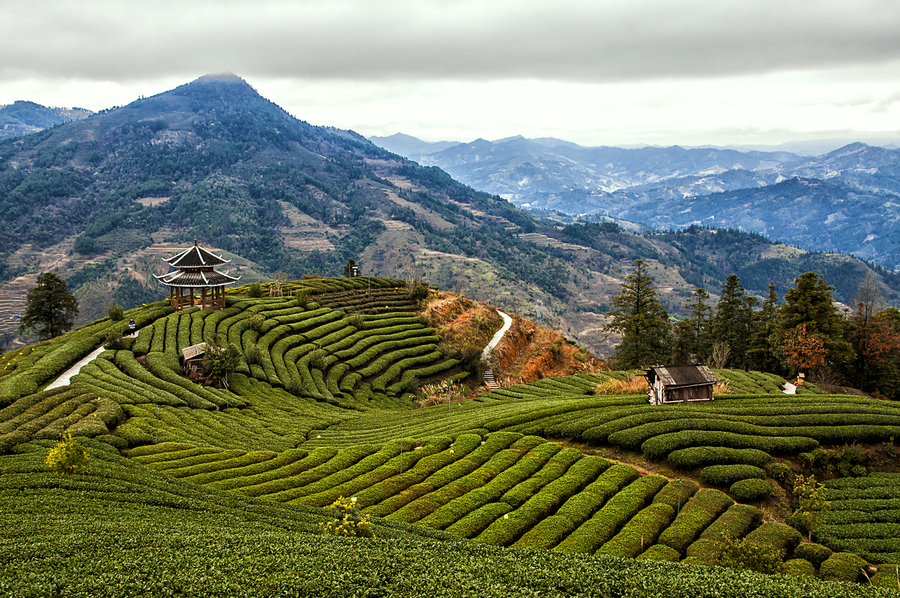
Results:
<point x="210" y="278"/>
<point x="196" y="269"/>
<point x="196" y="257"/>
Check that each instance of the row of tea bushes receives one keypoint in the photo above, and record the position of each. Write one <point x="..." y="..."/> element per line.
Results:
<point x="49" y="414"/>
<point x="149" y="534"/>
<point x="864" y="517"/>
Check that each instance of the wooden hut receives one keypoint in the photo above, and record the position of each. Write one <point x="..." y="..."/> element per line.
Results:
<point x="680" y="384"/>
<point x="195" y="271"/>
<point x="192" y="359"/>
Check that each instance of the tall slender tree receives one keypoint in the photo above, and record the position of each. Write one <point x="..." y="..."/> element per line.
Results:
<point x="641" y="320"/>
<point x="732" y="324"/>
<point x="692" y="335"/>
<point x="762" y="346"/>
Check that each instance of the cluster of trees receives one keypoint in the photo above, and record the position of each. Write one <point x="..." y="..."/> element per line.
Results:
<point x="806" y="332"/>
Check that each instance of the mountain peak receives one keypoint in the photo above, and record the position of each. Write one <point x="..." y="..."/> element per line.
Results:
<point x="220" y="78"/>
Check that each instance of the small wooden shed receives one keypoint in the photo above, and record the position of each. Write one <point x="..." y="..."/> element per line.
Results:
<point x="192" y="359"/>
<point x="680" y="384"/>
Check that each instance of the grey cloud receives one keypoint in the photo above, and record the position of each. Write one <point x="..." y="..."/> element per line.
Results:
<point x="564" y="40"/>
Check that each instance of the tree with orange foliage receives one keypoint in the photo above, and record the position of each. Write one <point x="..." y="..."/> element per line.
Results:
<point x="803" y="349"/>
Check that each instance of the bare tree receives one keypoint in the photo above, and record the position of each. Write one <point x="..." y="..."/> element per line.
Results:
<point x="719" y="357"/>
<point x="280" y="278"/>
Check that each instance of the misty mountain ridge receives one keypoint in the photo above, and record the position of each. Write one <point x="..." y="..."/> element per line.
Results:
<point x="658" y="187"/>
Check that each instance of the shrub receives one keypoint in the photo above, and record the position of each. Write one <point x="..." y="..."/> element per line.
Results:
<point x="842" y="566"/>
<point x="726" y="475"/>
<point x="113" y="341"/>
<point x="888" y="576"/>
<point x="347" y="520"/>
<point x="253" y="355"/>
<point x="778" y="535"/>
<point x="798" y="568"/>
<point x="115" y="312"/>
<point x="756" y="556"/>
<point x="812" y="552"/>
<point x="780" y="472"/>
<point x="750" y="490"/>
<point x="67" y="457"/>
<point x="660" y="552"/>
<point x="698" y="456"/>
<point x="257" y="321"/>
<point x="254" y="290"/>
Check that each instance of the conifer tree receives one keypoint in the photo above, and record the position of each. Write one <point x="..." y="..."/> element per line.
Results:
<point x="692" y="335"/>
<point x="732" y="324"/>
<point x="761" y="350"/>
<point x="810" y="302"/>
<point x="641" y="319"/>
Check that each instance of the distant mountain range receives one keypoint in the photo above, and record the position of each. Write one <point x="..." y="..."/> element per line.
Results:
<point x="22" y="118"/>
<point x="99" y="201"/>
<point x="845" y="200"/>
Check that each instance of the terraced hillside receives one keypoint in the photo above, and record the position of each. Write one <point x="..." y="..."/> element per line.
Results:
<point x="321" y="407"/>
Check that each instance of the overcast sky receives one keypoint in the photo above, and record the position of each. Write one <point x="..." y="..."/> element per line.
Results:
<point x="597" y="72"/>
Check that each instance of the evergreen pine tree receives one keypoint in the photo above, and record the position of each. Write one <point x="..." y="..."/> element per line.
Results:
<point x="641" y="319"/>
<point x="732" y="324"/>
<point x="810" y="302"/>
<point x="761" y="352"/>
<point x="692" y="335"/>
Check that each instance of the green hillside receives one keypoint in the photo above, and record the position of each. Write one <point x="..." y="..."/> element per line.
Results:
<point x="527" y="489"/>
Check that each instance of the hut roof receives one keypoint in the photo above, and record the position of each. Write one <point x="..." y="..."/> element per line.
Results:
<point x="682" y="375"/>
<point x="193" y="351"/>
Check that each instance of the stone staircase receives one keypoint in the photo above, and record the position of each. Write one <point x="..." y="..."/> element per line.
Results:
<point x="489" y="379"/>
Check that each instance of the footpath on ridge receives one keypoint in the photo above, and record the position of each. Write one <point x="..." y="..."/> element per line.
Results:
<point x="486" y="354"/>
<point x="67" y="375"/>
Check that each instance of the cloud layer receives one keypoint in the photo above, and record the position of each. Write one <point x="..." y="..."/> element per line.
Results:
<point x="563" y="40"/>
<point x="655" y="71"/>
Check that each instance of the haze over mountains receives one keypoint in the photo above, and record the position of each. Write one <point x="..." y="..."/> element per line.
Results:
<point x="845" y="200"/>
<point x="99" y="201"/>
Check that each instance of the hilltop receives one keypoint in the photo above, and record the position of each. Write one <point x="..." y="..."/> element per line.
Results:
<point x="101" y="200"/>
<point x="23" y="118"/>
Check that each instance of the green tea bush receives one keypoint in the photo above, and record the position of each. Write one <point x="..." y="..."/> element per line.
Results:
<point x="750" y="490"/>
<point x="780" y="472"/>
<point x="698" y="456"/>
<point x="755" y="556"/>
<point x="660" y="552"/>
<point x="699" y="512"/>
<point x="812" y="552"/>
<point x="640" y="532"/>
<point x="659" y="447"/>
<point x="798" y="568"/>
<point x="676" y="493"/>
<point x="843" y="566"/>
<point x="613" y="515"/>
<point x="778" y="535"/>
<point x="726" y="475"/>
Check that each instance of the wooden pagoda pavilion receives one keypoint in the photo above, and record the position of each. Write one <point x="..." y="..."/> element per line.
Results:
<point x="195" y="271"/>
